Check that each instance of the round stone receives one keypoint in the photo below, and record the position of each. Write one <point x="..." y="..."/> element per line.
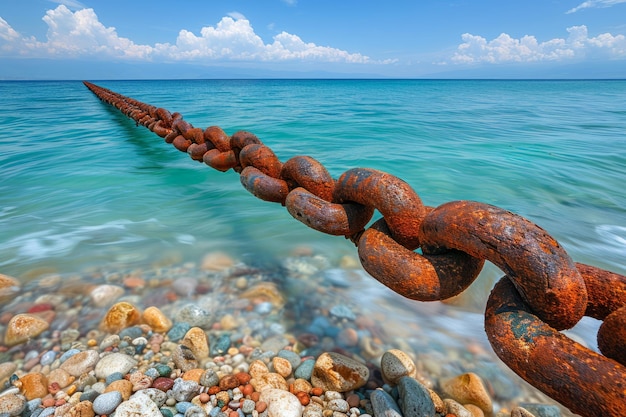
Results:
<point x="12" y="405"/>
<point x="468" y="388"/>
<point x="23" y="327"/>
<point x="281" y="403"/>
<point x="34" y="385"/>
<point x="158" y="321"/>
<point x="395" y="364"/>
<point x="120" y="316"/>
<point x="114" y="362"/>
<point x="196" y="340"/>
<point x="104" y="295"/>
<point x="81" y="363"/>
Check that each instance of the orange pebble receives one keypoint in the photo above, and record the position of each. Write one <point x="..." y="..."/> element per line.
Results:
<point x="260" y="406"/>
<point x="317" y="391"/>
<point x="204" y="398"/>
<point x="303" y="397"/>
<point x="247" y="389"/>
<point x="255" y="396"/>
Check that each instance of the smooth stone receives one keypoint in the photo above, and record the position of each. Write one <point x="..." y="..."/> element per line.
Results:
<point x="282" y="366"/>
<point x="156" y="319"/>
<point x="162" y="369"/>
<point x="281" y="403"/>
<point x="68" y="354"/>
<point x="414" y="398"/>
<point x="305" y="369"/>
<point x="162" y="383"/>
<point x="61" y="377"/>
<point x="81" y="363"/>
<point x="123" y="386"/>
<point x="395" y="364"/>
<point x="221" y="345"/>
<point x="217" y="261"/>
<point x="338" y="404"/>
<point x="457" y="409"/>
<point x="184" y="286"/>
<point x="542" y="410"/>
<point x="115" y="376"/>
<point x="105" y="294"/>
<point x="342" y="312"/>
<point x="47" y="358"/>
<point x="139" y="405"/>
<point x="34" y="385"/>
<point x="383" y="404"/>
<point x="23" y="327"/>
<point x="90" y="395"/>
<point x="270" y="380"/>
<point x="469" y="388"/>
<point x="6" y="370"/>
<point x="197" y="340"/>
<point x="194" y="316"/>
<point x="209" y="378"/>
<point x="521" y="412"/>
<point x="178" y="331"/>
<point x="294" y="359"/>
<point x="12" y="405"/>
<point x="114" y="362"/>
<point x="120" y="316"/>
<point x="336" y="372"/>
<point x="132" y="332"/>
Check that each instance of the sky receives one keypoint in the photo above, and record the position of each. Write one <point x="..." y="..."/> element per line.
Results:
<point x="134" y="39"/>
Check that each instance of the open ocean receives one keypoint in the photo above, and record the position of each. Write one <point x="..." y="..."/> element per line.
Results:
<point x="82" y="187"/>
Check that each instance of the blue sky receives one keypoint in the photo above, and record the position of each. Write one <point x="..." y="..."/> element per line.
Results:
<point x="96" y="39"/>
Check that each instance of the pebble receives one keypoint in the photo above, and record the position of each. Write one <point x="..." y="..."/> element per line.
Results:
<point x="178" y="331"/>
<point x="414" y="398"/>
<point x="197" y="340"/>
<point x="104" y="295"/>
<point x="120" y="316"/>
<point x="305" y="369"/>
<point x="282" y="366"/>
<point x="184" y="390"/>
<point x="34" y="385"/>
<point x="81" y="362"/>
<point x="383" y="404"/>
<point x="185" y="286"/>
<point x="194" y="316"/>
<point x="281" y="403"/>
<point x="217" y="261"/>
<point x="12" y="405"/>
<point x="137" y="405"/>
<point x="123" y="386"/>
<point x="61" y="377"/>
<point x="47" y="358"/>
<point x="155" y="318"/>
<point x="82" y="409"/>
<point x="336" y="372"/>
<point x="6" y="370"/>
<point x="270" y="380"/>
<point x="395" y="364"/>
<point x="468" y="388"/>
<point x="184" y="359"/>
<point x="114" y="362"/>
<point x="23" y="327"/>
<point x="453" y="407"/>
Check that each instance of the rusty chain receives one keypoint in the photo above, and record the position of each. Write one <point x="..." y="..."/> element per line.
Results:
<point x="543" y="290"/>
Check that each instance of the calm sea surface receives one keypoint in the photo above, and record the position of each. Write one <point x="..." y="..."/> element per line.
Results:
<point x="81" y="185"/>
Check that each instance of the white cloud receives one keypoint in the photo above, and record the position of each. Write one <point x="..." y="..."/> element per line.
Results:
<point x="595" y="4"/>
<point x="505" y="48"/>
<point x="80" y="34"/>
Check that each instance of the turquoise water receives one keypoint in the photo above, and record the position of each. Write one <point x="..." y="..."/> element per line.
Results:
<point x="81" y="185"/>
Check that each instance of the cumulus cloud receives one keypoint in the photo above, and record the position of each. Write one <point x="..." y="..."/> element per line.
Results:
<point x="595" y="4"/>
<point x="81" y="34"/>
<point x="504" y="48"/>
<point x="69" y="3"/>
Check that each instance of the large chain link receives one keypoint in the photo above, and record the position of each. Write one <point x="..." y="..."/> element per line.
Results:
<point x="543" y="290"/>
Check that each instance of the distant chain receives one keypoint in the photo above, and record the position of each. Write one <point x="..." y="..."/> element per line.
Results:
<point x="543" y="290"/>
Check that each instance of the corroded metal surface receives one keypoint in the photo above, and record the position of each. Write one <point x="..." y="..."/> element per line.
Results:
<point x="543" y="289"/>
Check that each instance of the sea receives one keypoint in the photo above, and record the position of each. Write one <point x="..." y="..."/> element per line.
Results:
<point x="81" y="186"/>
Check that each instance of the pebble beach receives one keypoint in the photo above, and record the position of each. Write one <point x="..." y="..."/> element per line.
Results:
<point x="222" y="338"/>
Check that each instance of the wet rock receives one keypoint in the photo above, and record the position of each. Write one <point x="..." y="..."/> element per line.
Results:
<point x="542" y="410"/>
<point x="282" y="366"/>
<point x="414" y="398"/>
<point x="12" y="405"/>
<point x="107" y="403"/>
<point x="468" y="388"/>
<point x="123" y="386"/>
<point x="197" y="340"/>
<point x="34" y="385"/>
<point x="194" y="316"/>
<point x="184" y="390"/>
<point x="104" y="295"/>
<point x="81" y="363"/>
<point x="61" y="377"/>
<point x="114" y="362"/>
<point x="395" y="364"/>
<point x="217" y="261"/>
<point x="281" y="403"/>
<point x="270" y="380"/>
<point x="383" y="404"/>
<point x="336" y="372"/>
<point x="22" y="327"/>
<point x="82" y="409"/>
<point x="120" y="316"/>
<point x="457" y="409"/>
<point x="155" y="318"/>
<point x="178" y="331"/>
<point x="184" y="359"/>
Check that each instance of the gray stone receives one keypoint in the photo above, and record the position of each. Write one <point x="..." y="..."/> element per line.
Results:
<point x="305" y="369"/>
<point x="184" y="390"/>
<point x="107" y="403"/>
<point x="81" y="363"/>
<point x="293" y="358"/>
<point x="384" y="405"/>
<point x="414" y="398"/>
<point x="194" y="316"/>
<point x="12" y="405"/>
<point x="156" y="395"/>
<point x="137" y="405"/>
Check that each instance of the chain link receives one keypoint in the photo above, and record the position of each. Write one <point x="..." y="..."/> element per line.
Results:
<point x="543" y="290"/>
